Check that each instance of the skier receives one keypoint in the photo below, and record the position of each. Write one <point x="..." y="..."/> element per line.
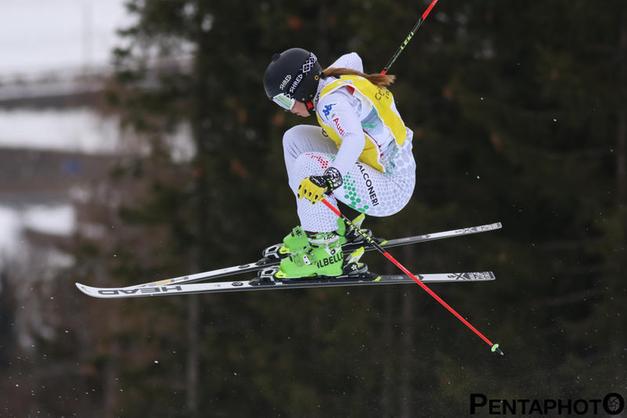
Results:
<point x="361" y="154"/>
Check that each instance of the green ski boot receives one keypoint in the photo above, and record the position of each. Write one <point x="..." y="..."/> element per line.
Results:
<point x="348" y="234"/>
<point x="293" y="270"/>
<point x="294" y="241"/>
<point x="321" y="257"/>
<point x="297" y="239"/>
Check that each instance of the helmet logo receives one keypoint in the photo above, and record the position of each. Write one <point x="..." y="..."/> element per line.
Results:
<point x="308" y="65"/>
<point x="296" y="82"/>
<point x="285" y="81"/>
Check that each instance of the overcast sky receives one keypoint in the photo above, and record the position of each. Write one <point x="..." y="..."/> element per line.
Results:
<point x="39" y="35"/>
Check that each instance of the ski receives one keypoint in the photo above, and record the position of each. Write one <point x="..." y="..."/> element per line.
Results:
<point x="270" y="262"/>
<point x="248" y="285"/>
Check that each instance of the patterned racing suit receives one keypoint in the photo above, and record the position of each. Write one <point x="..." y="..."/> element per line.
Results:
<point x="308" y="151"/>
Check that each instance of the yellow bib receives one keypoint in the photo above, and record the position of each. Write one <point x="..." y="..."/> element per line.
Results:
<point x="381" y="99"/>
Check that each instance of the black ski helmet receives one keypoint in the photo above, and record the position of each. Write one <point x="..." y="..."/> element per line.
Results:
<point x="292" y="75"/>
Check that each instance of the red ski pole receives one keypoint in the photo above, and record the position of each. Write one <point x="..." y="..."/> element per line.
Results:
<point x="494" y="347"/>
<point x="408" y="37"/>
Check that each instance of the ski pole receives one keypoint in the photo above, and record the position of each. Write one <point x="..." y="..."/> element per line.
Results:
<point x="408" y="38"/>
<point x="494" y="347"/>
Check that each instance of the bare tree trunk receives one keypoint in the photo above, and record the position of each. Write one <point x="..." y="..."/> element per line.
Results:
<point x="111" y="373"/>
<point x="621" y="164"/>
<point x="407" y="346"/>
<point x="111" y="383"/>
<point x="621" y="158"/>
<point x="192" y="356"/>
<point x="387" y="392"/>
<point x="200" y="123"/>
<point x="621" y="152"/>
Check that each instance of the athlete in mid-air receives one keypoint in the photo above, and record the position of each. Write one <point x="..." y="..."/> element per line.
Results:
<point x="361" y="154"/>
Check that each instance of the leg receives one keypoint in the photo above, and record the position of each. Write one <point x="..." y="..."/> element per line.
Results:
<point x="308" y="152"/>
<point x="365" y="190"/>
<point x="313" y="217"/>
<point x="299" y="140"/>
<point x="379" y="194"/>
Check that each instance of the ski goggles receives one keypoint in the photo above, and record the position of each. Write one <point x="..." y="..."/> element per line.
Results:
<point x="285" y="101"/>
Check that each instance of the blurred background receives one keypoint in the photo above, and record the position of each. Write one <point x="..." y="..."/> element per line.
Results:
<point x="136" y="143"/>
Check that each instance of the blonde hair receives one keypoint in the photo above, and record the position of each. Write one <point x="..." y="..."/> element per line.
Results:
<point x="380" y="80"/>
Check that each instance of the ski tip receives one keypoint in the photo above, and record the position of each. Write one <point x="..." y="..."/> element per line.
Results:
<point x="88" y="290"/>
<point x="498" y="225"/>
<point x="496" y="349"/>
<point x="82" y="288"/>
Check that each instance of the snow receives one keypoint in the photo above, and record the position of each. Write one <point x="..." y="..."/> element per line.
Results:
<point x="57" y="220"/>
<point x="10" y="227"/>
<point x="54" y="219"/>
<point x="70" y="130"/>
<point x="39" y="37"/>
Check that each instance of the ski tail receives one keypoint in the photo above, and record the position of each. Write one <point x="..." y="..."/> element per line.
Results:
<point x="247" y="286"/>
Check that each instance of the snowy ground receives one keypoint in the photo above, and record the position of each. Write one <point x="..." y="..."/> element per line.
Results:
<point x="70" y="130"/>
<point x="78" y="130"/>
<point x="56" y="219"/>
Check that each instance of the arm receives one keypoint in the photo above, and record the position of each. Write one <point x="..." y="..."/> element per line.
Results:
<point x="337" y="112"/>
<point x="341" y="116"/>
